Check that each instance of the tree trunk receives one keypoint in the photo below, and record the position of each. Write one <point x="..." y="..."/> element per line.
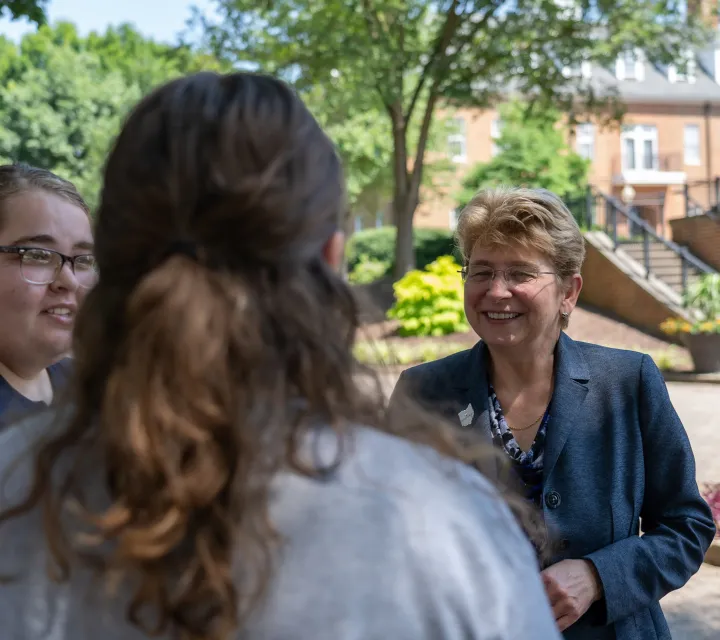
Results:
<point x="403" y="203"/>
<point x="404" y="246"/>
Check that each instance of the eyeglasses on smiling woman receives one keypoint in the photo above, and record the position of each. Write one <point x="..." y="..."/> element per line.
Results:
<point x="513" y="276"/>
<point x="43" y="266"/>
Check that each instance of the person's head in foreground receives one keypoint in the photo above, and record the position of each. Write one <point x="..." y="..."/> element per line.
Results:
<point x="589" y="431"/>
<point x="522" y="252"/>
<point x="213" y="436"/>
<point x="46" y="268"/>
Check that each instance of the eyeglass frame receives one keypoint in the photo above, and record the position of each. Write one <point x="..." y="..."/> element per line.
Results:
<point x="464" y="273"/>
<point x="20" y="251"/>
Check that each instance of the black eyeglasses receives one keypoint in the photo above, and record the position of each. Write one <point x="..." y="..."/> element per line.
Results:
<point x="43" y="266"/>
<point x="514" y="276"/>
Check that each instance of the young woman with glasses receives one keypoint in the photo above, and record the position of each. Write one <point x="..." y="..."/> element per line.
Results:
<point x="46" y="266"/>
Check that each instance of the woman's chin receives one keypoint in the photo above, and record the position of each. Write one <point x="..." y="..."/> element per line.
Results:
<point x="500" y="335"/>
<point x="511" y="340"/>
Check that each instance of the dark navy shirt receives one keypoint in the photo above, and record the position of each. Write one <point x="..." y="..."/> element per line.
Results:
<point x="14" y="405"/>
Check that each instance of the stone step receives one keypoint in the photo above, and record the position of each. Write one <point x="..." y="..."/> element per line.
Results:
<point x="654" y="250"/>
<point x="665" y="264"/>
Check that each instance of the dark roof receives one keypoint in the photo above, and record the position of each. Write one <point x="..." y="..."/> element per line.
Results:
<point x="655" y="87"/>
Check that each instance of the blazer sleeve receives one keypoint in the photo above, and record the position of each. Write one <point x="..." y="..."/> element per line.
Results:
<point x="677" y="523"/>
<point x="411" y="386"/>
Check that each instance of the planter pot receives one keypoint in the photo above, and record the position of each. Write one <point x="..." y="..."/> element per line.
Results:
<point x="713" y="553"/>
<point x="704" y="349"/>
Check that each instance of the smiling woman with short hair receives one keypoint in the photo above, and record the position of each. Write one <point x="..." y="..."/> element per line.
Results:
<point x="589" y="432"/>
<point x="46" y="266"/>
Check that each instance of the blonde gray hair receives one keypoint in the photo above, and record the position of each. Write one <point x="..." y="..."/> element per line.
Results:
<point x="532" y="218"/>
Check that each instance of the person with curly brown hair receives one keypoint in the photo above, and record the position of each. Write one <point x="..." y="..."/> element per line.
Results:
<point x="221" y="471"/>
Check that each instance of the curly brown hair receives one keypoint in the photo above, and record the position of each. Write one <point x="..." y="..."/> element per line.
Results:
<point x="198" y="376"/>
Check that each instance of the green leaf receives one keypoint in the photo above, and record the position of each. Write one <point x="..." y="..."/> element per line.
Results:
<point x="532" y="152"/>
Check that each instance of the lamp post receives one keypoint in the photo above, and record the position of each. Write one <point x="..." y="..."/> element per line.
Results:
<point x="628" y="195"/>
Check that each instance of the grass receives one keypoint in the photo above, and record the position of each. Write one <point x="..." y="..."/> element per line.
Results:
<point x="394" y="352"/>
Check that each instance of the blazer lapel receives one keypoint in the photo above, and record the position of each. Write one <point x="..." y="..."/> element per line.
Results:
<point x="571" y="378"/>
<point x="471" y="384"/>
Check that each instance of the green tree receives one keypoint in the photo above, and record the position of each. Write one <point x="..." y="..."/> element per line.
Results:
<point x="405" y="58"/>
<point x="33" y="10"/>
<point x="532" y="152"/>
<point x="362" y="142"/>
<point x="143" y="61"/>
<point x="63" y="97"/>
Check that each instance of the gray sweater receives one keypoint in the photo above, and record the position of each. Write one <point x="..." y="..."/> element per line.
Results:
<point x="399" y="544"/>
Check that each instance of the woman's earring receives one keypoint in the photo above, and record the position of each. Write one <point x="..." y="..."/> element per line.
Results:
<point x="564" y="315"/>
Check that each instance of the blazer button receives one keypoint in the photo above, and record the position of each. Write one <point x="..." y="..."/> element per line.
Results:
<point x="552" y="499"/>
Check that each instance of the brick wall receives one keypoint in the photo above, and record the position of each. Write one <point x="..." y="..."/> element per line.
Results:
<point x="701" y="235"/>
<point x="609" y="289"/>
<point x="669" y="119"/>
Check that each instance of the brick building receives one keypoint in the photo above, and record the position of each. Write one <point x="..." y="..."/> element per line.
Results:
<point x="667" y="147"/>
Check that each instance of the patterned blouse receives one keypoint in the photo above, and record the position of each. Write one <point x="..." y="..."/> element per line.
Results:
<point x="527" y="464"/>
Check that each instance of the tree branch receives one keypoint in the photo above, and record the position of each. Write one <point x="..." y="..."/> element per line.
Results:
<point x="416" y="177"/>
<point x="371" y="16"/>
<point x="368" y="14"/>
<point x="441" y="43"/>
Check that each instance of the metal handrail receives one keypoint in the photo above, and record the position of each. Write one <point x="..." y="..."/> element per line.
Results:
<point x="647" y="229"/>
<point x="687" y="260"/>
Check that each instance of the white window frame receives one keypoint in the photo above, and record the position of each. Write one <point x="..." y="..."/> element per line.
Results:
<point x="495" y="131"/>
<point x="458" y="137"/>
<point x="640" y="134"/>
<point x="582" y="70"/>
<point x="585" y="140"/>
<point x="689" y="74"/>
<point x="453" y="219"/>
<point x="692" y="148"/>
<point x="630" y="65"/>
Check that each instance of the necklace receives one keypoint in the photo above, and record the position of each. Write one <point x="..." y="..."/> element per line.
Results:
<point x="533" y="423"/>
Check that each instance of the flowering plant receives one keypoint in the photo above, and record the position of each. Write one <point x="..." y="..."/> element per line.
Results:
<point x="711" y="493"/>
<point x="703" y="298"/>
<point x="674" y="326"/>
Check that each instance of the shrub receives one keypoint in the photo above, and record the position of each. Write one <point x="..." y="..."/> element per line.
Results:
<point x="379" y="245"/>
<point x="368" y="270"/>
<point x="430" y="302"/>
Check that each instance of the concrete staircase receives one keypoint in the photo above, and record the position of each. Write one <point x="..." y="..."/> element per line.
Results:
<point x="665" y="264"/>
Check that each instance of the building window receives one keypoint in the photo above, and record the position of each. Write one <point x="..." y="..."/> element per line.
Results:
<point x="585" y="140"/>
<point x="692" y="144"/>
<point x="630" y="66"/>
<point x="579" y="70"/>
<point x="495" y="130"/>
<point x="457" y="141"/>
<point x="639" y="148"/>
<point x="687" y="70"/>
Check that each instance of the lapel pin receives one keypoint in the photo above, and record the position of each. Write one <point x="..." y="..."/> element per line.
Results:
<point x="466" y="416"/>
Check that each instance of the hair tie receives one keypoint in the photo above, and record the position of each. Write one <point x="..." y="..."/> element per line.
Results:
<point x="187" y="248"/>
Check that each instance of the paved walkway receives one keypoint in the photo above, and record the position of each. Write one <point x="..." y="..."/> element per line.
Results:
<point x="694" y="611"/>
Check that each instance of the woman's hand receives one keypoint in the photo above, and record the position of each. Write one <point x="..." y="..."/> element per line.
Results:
<point x="572" y="586"/>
